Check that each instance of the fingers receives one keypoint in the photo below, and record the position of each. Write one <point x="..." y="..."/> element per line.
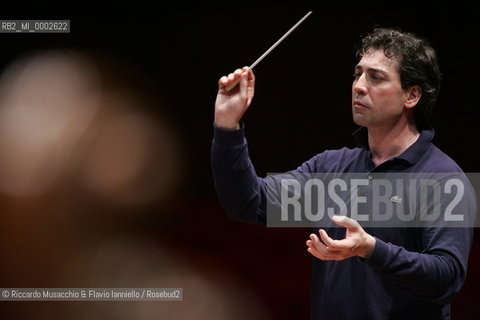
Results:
<point x="319" y="250"/>
<point x="244" y="84"/>
<point x="315" y="247"/>
<point x="251" y="78"/>
<point x="346" y="222"/>
<point x="317" y="243"/>
<point x="234" y="76"/>
<point x="356" y="242"/>
<point x="335" y="245"/>
<point x="230" y="78"/>
<point x="329" y="242"/>
<point x="223" y="82"/>
<point x="326" y="248"/>
<point x="251" y="75"/>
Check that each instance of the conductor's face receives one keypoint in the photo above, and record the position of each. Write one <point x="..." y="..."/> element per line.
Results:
<point x="378" y="99"/>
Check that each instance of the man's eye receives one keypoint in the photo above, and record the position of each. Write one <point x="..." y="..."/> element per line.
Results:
<point x="376" y="77"/>
<point x="357" y="75"/>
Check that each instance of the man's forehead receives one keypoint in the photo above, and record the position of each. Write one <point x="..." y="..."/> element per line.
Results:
<point x="376" y="59"/>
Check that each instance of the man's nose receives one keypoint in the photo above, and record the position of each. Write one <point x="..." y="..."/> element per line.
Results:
<point x="360" y="85"/>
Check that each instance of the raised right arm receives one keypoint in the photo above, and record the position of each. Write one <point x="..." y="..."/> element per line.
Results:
<point x="238" y="187"/>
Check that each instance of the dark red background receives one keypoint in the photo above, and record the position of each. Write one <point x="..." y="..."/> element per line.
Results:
<point x="301" y="108"/>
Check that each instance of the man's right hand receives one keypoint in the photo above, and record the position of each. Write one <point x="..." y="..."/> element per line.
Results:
<point x="231" y="105"/>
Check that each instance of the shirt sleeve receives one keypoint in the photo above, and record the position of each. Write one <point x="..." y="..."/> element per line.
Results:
<point x="436" y="270"/>
<point x="240" y="191"/>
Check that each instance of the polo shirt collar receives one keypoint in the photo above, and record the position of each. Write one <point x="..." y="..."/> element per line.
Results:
<point x="412" y="154"/>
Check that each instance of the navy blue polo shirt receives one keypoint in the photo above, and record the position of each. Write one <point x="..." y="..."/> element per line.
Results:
<point x="412" y="272"/>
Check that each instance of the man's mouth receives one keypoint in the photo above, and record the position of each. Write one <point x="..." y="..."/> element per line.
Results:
<point x="358" y="104"/>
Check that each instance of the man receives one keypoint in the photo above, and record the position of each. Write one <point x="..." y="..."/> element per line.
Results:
<point x="385" y="273"/>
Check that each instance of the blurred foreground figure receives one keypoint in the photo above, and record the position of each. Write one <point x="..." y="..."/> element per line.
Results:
<point x="87" y="158"/>
<point x="60" y="116"/>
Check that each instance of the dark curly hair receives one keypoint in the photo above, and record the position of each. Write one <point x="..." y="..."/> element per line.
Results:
<point x="417" y="65"/>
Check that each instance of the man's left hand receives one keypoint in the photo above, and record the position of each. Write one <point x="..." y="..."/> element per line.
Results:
<point x="356" y="243"/>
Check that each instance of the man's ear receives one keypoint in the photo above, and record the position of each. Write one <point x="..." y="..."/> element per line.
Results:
<point x="413" y="95"/>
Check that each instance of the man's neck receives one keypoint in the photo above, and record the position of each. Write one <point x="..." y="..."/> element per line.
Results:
<point x="386" y="143"/>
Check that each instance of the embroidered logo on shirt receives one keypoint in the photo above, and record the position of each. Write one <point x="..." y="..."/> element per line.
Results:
<point x="396" y="199"/>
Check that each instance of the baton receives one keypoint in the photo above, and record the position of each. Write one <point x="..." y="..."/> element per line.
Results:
<point x="233" y="84"/>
